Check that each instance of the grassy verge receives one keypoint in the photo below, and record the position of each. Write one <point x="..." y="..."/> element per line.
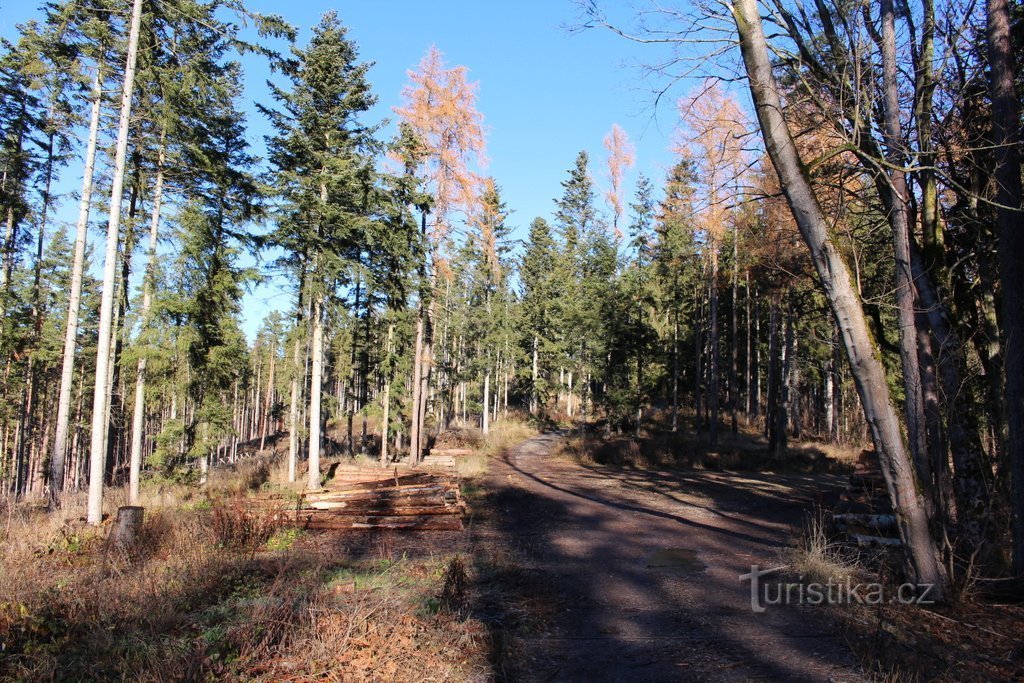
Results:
<point x="972" y="638"/>
<point x="216" y="589"/>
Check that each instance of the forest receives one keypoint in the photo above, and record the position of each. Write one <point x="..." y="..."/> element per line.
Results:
<point x="834" y="257"/>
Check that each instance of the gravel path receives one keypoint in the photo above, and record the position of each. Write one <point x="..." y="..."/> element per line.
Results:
<point x="643" y="572"/>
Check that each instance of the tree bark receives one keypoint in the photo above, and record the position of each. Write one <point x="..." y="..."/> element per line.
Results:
<point x="386" y="399"/>
<point x="67" y="375"/>
<point x="1010" y="230"/>
<point x="486" y="423"/>
<point x="139" y="412"/>
<point x="97" y="454"/>
<point x="866" y="366"/>
<point x="899" y="219"/>
<point x="315" y="388"/>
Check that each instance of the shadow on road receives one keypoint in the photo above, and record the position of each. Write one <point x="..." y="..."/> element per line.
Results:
<point x="566" y="591"/>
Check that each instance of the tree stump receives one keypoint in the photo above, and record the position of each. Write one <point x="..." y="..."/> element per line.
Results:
<point x="127" y="526"/>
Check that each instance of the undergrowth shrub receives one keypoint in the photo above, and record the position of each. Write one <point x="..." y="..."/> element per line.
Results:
<point x="238" y="524"/>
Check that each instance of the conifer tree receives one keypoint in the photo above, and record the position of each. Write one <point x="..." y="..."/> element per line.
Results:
<point x="323" y="156"/>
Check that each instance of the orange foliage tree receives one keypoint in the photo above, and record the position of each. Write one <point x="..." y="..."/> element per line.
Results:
<point x="621" y="156"/>
<point x="439" y="111"/>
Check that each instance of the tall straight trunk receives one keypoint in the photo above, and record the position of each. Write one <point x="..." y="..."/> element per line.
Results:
<point x="970" y="490"/>
<point x="139" y="412"/>
<point x="315" y="387"/>
<point x="425" y="375"/>
<point x="748" y="361"/>
<point x="698" y="367"/>
<point x="67" y="375"/>
<point x="1010" y="229"/>
<point x="828" y="396"/>
<point x="734" y="393"/>
<point x="533" y="385"/>
<point x="774" y="373"/>
<point x="486" y="423"/>
<point x="713" y="342"/>
<point x="386" y="399"/>
<point x="296" y="390"/>
<point x="97" y="453"/>
<point x="837" y="391"/>
<point x="293" y="410"/>
<point x="268" y="400"/>
<point x="899" y="219"/>
<point x="757" y="371"/>
<point x="352" y="381"/>
<point x="868" y="372"/>
<point x="569" y="401"/>
<point x="784" y="375"/>
<point x="417" y="372"/>
<point x="675" y="371"/>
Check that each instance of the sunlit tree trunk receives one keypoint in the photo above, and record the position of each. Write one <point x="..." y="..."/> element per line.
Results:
<point x="139" y="412"/>
<point x="97" y="455"/>
<point x="60" y="441"/>
<point x="486" y="424"/>
<point x="315" y="390"/>
<point x="386" y="398"/>
<point x="869" y="375"/>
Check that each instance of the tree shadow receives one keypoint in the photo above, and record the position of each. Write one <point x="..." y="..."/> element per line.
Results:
<point x="582" y="603"/>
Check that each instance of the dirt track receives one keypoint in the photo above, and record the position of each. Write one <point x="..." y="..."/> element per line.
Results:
<point x="588" y="535"/>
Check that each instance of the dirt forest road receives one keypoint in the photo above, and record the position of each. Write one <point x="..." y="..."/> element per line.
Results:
<point x="620" y="610"/>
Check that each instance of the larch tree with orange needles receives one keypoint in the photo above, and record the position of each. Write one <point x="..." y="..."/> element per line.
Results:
<point x="621" y="157"/>
<point x="713" y="134"/>
<point x="439" y="109"/>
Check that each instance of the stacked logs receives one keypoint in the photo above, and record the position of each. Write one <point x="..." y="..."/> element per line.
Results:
<point x="415" y="502"/>
<point x="864" y="513"/>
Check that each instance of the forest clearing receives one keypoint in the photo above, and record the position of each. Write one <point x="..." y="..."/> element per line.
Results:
<point x="311" y="372"/>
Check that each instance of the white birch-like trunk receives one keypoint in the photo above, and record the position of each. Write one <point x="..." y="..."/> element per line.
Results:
<point x="67" y="375"/>
<point x="487" y="402"/>
<point x="97" y="453"/>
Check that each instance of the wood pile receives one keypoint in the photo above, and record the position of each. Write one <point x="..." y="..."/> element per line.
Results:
<point x="421" y="501"/>
<point x="444" y="458"/>
<point x="864" y="514"/>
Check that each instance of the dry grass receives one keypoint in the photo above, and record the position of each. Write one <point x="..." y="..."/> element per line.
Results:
<point x="213" y="590"/>
<point x="819" y="559"/>
<point x="503" y="434"/>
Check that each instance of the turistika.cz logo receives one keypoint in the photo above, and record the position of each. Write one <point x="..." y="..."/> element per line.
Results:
<point x="765" y="592"/>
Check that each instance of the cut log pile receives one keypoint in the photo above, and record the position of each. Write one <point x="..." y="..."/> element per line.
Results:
<point x="422" y="501"/>
<point x="864" y="514"/>
<point x="444" y="458"/>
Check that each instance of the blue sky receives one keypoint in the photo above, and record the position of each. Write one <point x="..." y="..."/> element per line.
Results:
<point x="545" y="92"/>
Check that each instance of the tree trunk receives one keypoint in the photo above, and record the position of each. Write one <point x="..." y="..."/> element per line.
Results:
<point x="139" y="412"/>
<point x="713" y="342"/>
<point x="534" y="400"/>
<point x="485" y="420"/>
<point x="60" y="441"/>
<point x="775" y="353"/>
<point x="675" y="371"/>
<point x="315" y="387"/>
<point x="899" y="219"/>
<point x="868" y="373"/>
<point x="386" y="400"/>
<point x="97" y="453"/>
<point x="1005" y="131"/>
